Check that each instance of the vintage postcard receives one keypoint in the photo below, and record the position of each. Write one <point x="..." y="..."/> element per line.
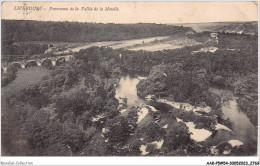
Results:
<point x="128" y="79"/>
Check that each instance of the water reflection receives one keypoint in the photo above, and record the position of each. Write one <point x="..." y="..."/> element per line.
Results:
<point x="127" y="88"/>
<point x="242" y="126"/>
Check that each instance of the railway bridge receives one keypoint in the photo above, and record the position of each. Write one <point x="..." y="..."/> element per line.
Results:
<point x="39" y="61"/>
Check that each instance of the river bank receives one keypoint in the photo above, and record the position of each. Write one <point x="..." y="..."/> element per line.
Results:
<point x="201" y="121"/>
<point x="240" y="135"/>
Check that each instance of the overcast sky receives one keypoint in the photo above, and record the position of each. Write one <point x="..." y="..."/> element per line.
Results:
<point x="134" y="12"/>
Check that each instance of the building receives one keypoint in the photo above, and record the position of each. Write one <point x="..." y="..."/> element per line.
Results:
<point x="51" y="50"/>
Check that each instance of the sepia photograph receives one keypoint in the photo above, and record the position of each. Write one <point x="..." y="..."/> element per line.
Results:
<point x="128" y="79"/>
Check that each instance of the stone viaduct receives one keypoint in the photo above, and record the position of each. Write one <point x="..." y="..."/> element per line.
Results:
<point x="23" y="64"/>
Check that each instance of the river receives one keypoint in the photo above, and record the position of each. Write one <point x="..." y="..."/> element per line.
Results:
<point x="243" y="129"/>
<point x="242" y="126"/>
<point x="127" y="88"/>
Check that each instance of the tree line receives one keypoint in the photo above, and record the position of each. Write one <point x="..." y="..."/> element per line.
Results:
<point x="26" y="30"/>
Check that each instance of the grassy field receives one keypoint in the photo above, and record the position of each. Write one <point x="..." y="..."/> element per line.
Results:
<point x="24" y="78"/>
<point x="170" y="43"/>
<point x="121" y="44"/>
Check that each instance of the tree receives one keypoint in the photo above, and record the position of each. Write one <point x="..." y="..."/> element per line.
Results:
<point x="134" y="148"/>
<point x="74" y="137"/>
<point x="132" y="116"/>
<point x="153" y="132"/>
<point x="218" y="81"/>
<point x="119" y="130"/>
<point x="143" y="88"/>
<point x="12" y="133"/>
<point x="177" y="137"/>
<point x="32" y="95"/>
<point x="200" y="78"/>
<point x="157" y="73"/>
<point x="63" y="77"/>
<point x="74" y="103"/>
<point x="37" y="134"/>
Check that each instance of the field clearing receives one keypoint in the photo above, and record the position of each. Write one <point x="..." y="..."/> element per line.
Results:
<point x="170" y="43"/>
<point x="157" y="47"/>
<point x="148" y="44"/>
<point x="120" y="44"/>
<point x="24" y="78"/>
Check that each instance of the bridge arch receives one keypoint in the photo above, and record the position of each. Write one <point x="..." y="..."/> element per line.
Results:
<point x="31" y="63"/>
<point x="47" y="63"/>
<point x="15" y="66"/>
<point x="60" y="60"/>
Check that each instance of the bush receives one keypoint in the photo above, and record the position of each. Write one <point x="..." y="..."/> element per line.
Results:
<point x="8" y="77"/>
